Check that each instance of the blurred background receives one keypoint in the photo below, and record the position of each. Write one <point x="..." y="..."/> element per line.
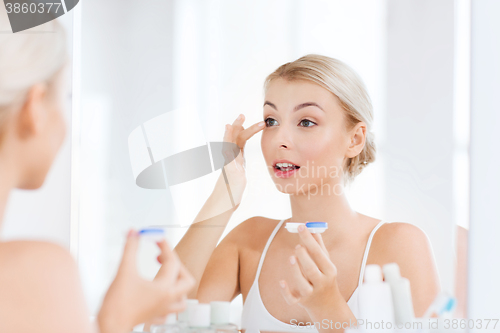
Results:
<point x="134" y="60"/>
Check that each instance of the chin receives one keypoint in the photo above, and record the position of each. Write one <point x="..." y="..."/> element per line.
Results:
<point x="290" y="187"/>
<point x="310" y="187"/>
<point x="33" y="183"/>
<point x="31" y="186"/>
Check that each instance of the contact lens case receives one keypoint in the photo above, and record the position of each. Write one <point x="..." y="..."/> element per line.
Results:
<point x="314" y="227"/>
<point x="154" y="234"/>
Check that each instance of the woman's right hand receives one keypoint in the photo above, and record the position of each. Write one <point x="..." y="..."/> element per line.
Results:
<point x="234" y="172"/>
<point x="132" y="300"/>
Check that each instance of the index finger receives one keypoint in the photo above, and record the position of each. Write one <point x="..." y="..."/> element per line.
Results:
<point x="319" y="239"/>
<point x="247" y="133"/>
<point x="170" y="263"/>
<point x="166" y="251"/>
<point x="315" y="250"/>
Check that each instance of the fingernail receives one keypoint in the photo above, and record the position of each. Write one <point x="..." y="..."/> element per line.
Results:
<point x="282" y="284"/>
<point x="239" y="117"/>
<point x="301" y="227"/>
<point x="292" y="260"/>
<point x="227" y="127"/>
<point x="261" y="124"/>
<point x="298" y="245"/>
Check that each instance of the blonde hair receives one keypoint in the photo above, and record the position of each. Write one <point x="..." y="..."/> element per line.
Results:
<point x="342" y="81"/>
<point x="29" y="57"/>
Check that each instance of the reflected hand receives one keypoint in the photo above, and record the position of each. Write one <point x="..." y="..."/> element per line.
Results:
<point x="234" y="171"/>
<point x="132" y="300"/>
<point x="313" y="284"/>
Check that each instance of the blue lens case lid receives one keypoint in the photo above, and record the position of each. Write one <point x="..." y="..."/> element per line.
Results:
<point x="317" y="225"/>
<point x="151" y="231"/>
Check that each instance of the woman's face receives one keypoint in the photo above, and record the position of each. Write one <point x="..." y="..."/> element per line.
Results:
<point x="304" y="125"/>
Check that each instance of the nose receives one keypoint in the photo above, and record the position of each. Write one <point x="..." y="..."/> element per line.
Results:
<point x="283" y="138"/>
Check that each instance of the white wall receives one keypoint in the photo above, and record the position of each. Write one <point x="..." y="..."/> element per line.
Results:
<point x="126" y="80"/>
<point x="483" y="263"/>
<point x="419" y="138"/>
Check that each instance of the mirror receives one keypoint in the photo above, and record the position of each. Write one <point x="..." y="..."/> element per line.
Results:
<point x="140" y="61"/>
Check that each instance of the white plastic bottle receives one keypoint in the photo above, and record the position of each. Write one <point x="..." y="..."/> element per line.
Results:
<point x="183" y="317"/>
<point x="401" y="294"/>
<point x="375" y="302"/>
<point x="199" y="319"/>
<point x="220" y="314"/>
<point x="170" y="325"/>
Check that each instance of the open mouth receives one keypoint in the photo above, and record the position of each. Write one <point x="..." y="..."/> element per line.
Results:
<point x="286" y="166"/>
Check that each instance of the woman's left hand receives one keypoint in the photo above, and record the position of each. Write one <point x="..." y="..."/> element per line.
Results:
<point x="313" y="284"/>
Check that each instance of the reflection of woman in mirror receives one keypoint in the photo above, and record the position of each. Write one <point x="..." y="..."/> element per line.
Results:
<point x="40" y="289"/>
<point x="318" y="117"/>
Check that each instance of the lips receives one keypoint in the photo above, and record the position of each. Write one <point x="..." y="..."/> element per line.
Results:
<point x="284" y="168"/>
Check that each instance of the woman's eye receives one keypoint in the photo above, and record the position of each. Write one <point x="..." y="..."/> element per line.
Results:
<point x="267" y="122"/>
<point x="306" y="121"/>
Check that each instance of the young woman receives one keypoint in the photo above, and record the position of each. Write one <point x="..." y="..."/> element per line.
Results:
<point x="40" y="290"/>
<point x="318" y="119"/>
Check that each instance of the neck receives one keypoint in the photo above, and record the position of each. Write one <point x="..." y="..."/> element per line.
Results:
<point x="7" y="183"/>
<point x="326" y="207"/>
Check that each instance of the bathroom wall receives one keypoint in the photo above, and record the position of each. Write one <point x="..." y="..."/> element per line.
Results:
<point x="420" y="144"/>
<point x="484" y="271"/>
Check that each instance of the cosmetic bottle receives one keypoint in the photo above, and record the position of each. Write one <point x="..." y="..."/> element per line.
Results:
<point x="199" y="319"/>
<point x="170" y="325"/>
<point x="220" y="314"/>
<point x="183" y="317"/>
<point x="375" y="302"/>
<point x="401" y="294"/>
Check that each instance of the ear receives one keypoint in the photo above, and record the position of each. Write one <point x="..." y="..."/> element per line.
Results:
<point x="357" y="140"/>
<point x="32" y="116"/>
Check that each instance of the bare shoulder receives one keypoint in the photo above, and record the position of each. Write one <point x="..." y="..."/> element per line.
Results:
<point x="40" y="281"/>
<point x="392" y="239"/>
<point x="21" y="246"/>
<point x="399" y="235"/>
<point x="29" y="256"/>
<point x="33" y="265"/>
<point x="399" y="232"/>
<point x="408" y="246"/>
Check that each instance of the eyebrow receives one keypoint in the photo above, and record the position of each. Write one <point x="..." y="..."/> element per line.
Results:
<point x="298" y="107"/>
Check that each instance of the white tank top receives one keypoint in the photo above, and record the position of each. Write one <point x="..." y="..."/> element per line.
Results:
<point x="255" y="316"/>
